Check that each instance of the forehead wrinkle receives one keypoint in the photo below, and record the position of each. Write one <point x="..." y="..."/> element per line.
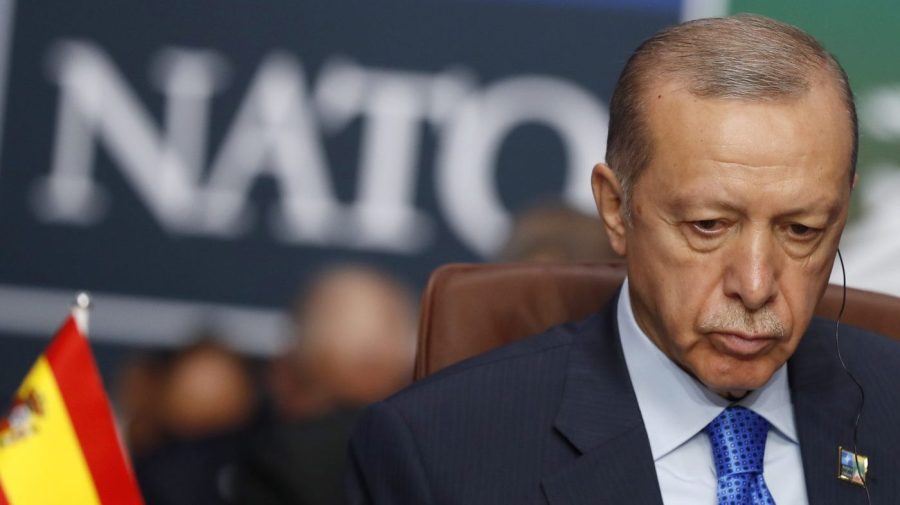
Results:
<point x="760" y="152"/>
<point x="819" y="195"/>
<point x="700" y="199"/>
<point x="721" y="199"/>
<point x="717" y="191"/>
<point x="756" y="174"/>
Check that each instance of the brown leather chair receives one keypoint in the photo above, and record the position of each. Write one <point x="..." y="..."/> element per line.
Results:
<point x="471" y="308"/>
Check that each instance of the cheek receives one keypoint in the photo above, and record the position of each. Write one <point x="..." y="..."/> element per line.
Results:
<point x="801" y="289"/>
<point x="685" y="286"/>
<point x="676" y="289"/>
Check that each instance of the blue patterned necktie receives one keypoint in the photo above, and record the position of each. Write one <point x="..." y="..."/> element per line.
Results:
<point x="738" y="438"/>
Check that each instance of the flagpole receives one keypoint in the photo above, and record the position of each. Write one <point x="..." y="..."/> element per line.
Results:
<point x="81" y="310"/>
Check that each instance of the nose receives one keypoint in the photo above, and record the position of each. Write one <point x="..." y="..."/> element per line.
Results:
<point x="751" y="274"/>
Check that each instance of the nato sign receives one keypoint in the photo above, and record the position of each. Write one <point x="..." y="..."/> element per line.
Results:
<point x="192" y="163"/>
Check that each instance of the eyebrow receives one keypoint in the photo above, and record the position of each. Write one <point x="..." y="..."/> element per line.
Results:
<point x="683" y="203"/>
<point x="829" y="210"/>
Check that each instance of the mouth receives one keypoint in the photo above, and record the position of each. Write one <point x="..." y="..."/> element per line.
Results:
<point x="742" y="345"/>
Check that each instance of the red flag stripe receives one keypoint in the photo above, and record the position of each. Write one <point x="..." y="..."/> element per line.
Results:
<point x="3" y="500"/>
<point x="79" y="382"/>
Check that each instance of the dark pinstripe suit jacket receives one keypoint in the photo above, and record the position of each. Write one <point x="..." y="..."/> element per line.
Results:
<point x="553" y="419"/>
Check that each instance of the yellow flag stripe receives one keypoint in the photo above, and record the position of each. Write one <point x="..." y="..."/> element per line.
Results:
<point x="41" y="462"/>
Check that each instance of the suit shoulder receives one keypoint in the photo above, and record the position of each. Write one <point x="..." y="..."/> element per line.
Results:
<point x="492" y="411"/>
<point x="872" y="358"/>
<point x="858" y="343"/>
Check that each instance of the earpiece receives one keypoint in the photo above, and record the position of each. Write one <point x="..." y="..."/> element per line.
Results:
<point x="862" y="394"/>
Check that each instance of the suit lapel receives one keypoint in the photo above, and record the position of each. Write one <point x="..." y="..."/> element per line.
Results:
<point x="599" y="416"/>
<point x="825" y="403"/>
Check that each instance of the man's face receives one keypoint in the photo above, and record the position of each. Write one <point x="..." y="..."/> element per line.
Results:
<point x="734" y="226"/>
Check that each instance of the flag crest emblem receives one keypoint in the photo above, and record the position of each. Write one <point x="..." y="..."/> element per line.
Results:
<point x="20" y="421"/>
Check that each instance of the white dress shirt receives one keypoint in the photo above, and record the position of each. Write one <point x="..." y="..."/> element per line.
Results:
<point x="676" y="408"/>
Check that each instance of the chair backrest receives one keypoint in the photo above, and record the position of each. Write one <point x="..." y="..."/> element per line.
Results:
<point x="468" y="309"/>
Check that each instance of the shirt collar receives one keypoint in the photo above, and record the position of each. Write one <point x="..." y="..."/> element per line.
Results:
<point x="674" y="405"/>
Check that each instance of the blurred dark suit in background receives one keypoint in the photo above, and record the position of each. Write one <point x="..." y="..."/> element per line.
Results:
<point x="353" y="345"/>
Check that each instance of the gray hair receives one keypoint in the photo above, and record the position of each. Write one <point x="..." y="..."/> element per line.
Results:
<point x="746" y="57"/>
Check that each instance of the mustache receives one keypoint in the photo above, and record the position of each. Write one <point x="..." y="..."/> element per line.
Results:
<point x="736" y="319"/>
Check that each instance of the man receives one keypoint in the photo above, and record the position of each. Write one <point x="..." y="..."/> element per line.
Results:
<point x="731" y="151"/>
<point x="200" y="402"/>
<point x="353" y="345"/>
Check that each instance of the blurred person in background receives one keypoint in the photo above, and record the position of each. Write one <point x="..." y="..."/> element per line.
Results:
<point x="553" y="231"/>
<point x="137" y="389"/>
<point x="196" y="406"/>
<point x="353" y="344"/>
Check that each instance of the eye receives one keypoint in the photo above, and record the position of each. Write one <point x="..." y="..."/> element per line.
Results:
<point x="708" y="226"/>
<point x="802" y="232"/>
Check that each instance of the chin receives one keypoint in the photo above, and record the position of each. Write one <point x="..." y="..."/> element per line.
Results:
<point x="737" y="382"/>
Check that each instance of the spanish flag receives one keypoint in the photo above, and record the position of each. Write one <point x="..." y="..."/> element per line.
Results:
<point x="58" y="444"/>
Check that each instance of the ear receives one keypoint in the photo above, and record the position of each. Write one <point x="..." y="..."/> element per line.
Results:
<point x="855" y="180"/>
<point x="608" y="197"/>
